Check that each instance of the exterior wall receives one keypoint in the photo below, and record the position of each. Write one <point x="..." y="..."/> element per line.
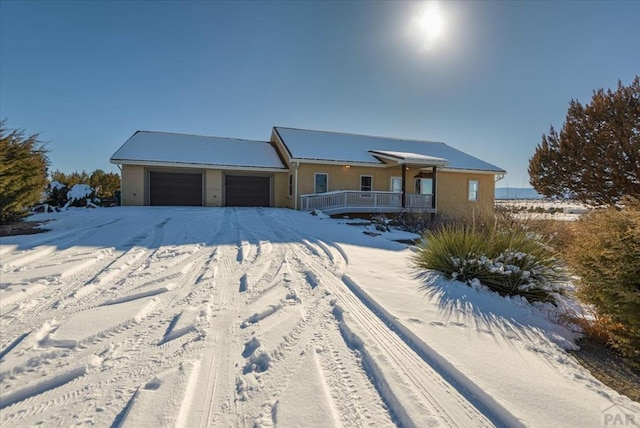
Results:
<point x="452" y="188"/>
<point x="135" y="187"/>
<point x="213" y="188"/>
<point x="280" y="186"/>
<point x="132" y="185"/>
<point x="343" y="178"/>
<point x="452" y="193"/>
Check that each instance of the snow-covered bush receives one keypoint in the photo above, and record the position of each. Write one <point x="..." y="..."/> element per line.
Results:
<point x="81" y="195"/>
<point x="509" y="262"/>
<point x="56" y="194"/>
<point x="605" y="255"/>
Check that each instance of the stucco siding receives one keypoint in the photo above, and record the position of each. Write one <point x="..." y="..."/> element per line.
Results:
<point x="343" y="178"/>
<point x="280" y="185"/>
<point x="452" y="193"/>
<point x="132" y="185"/>
<point x="213" y="188"/>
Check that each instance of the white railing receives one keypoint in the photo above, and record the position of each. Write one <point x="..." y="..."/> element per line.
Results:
<point x="419" y="201"/>
<point x="346" y="200"/>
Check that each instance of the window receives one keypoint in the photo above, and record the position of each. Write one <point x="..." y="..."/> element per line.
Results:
<point x="473" y="190"/>
<point x="424" y="186"/>
<point x="396" y="184"/>
<point x="366" y="183"/>
<point x="321" y="182"/>
<point x="290" y="184"/>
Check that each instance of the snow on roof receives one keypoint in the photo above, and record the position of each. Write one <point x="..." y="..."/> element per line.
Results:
<point x="406" y="157"/>
<point x="169" y="148"/>
<point x="340" y="147"/>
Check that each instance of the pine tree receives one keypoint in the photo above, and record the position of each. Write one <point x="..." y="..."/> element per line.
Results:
<point x="596" y="156"/>
<point x="23" y="173"/>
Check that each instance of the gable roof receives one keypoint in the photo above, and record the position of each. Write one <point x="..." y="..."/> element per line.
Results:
<point x="307" y="145"/>
<point x="164" y="148"/>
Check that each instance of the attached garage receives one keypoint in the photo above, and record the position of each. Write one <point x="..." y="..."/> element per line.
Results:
<point x="161" y="168"/>
<point x="247" y="191"/>
<point x="173" y="188"/>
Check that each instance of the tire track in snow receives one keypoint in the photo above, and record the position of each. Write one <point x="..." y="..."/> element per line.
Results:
<point x="148" y="360"/>
<point x="67" y="291"/>
<point x="287" y="357"/>
<point x="437" y="401"/>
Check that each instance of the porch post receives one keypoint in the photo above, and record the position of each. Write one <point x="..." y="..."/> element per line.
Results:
<point x="404" y="190"/>
<point x="433" y="191"/>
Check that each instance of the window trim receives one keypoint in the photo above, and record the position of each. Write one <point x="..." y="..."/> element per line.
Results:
<point x="371" y="186"/>
<point x="315" y="182"/>
<point x="475" y="196"/>
<point x="290" y="184"/>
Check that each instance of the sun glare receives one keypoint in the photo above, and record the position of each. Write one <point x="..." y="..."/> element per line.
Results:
<point x="429" y="25"/>
<point x="432" y="21"/>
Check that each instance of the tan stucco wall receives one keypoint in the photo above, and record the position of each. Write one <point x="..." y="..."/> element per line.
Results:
<point x="280" y="186"/>
<point x="213" y="188"/>
<point x="132" y="185"/>
<point x="452" y="190"/>
<point x="343" y="178"/>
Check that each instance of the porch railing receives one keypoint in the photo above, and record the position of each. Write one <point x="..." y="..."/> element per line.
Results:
<point x="344" y="201"/>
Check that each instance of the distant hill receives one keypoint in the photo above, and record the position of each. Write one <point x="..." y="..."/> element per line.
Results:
<point x="517" y="193"/>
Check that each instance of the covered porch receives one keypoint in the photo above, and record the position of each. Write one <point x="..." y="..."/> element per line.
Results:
<point x="400" y="197"/>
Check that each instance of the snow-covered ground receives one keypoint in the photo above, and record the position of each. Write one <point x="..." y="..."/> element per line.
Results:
<point x="148" y="317"/>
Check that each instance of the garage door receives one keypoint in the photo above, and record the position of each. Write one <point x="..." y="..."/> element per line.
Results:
<point x="170" y="188"/>
<point x="246" y="191"/>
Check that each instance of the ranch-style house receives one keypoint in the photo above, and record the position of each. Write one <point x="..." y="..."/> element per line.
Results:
<point x="302" y="169"/>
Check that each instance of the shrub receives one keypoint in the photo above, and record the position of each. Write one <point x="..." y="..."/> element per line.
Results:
<point x="557" y="233"/>
<point x="56" y="194"/>
<point x="105" y="184"/>
<point x="509" y="261"/>
<point x="81" y="195"/>
<point x="606" y="257"/>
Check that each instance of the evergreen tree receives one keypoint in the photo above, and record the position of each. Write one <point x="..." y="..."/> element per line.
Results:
<point x="105" y="183"/>
<point x="23" y="173"/>
<point x="596" y="156"/>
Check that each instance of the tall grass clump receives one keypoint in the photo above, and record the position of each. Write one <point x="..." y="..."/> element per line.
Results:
<point x="605" y="256"/>
<point x="505" y="259"/>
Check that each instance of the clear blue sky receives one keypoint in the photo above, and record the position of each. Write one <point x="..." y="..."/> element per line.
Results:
<point x="86" y="75"/>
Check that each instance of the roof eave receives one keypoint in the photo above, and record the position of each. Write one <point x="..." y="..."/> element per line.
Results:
<point x="338" y="162"/>
<point x="196" y="165"/>
<point x="474" y="171"/>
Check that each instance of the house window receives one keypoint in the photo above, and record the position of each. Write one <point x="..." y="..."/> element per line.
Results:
<point x="366" y="183"/>
<point x="424" y="186"/>
<point x="396" y="184"/>
<point x="321" y="182"/>
<point x="473" y="190"/>
<point x="290" y="184"/>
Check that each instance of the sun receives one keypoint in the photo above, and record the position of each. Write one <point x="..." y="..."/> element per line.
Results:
<point x="429" y="25"/>
<point x="432" y="21"/>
